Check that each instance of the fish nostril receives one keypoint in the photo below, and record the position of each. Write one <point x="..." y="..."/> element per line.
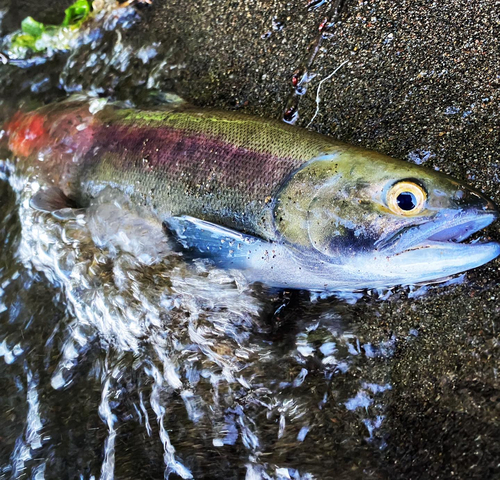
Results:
<point x="490" y="207"/>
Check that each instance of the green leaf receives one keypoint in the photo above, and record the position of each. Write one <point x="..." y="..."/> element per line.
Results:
<point x="26" y="41"/>
<point x="31" y="27"/>
<point x="77" y="12"/>
<point x="38" y="37"/>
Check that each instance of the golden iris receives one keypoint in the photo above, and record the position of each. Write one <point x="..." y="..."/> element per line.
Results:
<point x="406" y="198"/>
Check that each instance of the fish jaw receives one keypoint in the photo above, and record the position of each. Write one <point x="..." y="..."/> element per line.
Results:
<point x="284" y="268"/>
<point x="432" y="250"/>
<point x="429" y="262"/>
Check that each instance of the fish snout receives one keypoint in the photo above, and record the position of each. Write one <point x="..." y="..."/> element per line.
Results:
<point x="470" y="199"/>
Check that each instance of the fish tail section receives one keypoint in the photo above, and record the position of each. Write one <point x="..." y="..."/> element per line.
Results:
<point x="65" y="124"/>
<point x="52" y="141"/>
<point x="25" y="132"/>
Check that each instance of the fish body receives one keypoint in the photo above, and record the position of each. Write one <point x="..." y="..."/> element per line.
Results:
<point x="222" y="167"/>
<point x="290" y="207"/>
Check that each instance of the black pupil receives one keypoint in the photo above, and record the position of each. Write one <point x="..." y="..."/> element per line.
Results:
<point x="406" y="201"/>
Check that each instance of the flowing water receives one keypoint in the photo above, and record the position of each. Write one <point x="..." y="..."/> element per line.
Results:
<point x="117" y="348"/>
<point x="121" y="359"/>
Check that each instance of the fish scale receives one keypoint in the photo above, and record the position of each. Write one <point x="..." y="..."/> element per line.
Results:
<point x="198" y="174"/>
<point x="223" y="167"/>
<point x="289" y="207"/>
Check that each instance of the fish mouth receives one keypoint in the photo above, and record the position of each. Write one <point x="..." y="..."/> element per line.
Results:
<point x="438" y="248"/>
<point x="428" y="252"/>
<point x="445" y="227"/>
<point x="461" y="229"/>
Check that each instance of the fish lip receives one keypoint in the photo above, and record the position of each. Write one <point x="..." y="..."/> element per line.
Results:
<point x="443" y="229"/>
<point x="461" y="228"/>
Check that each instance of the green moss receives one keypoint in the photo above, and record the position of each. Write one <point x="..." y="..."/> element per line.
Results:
<point x="37" y="37"/>
<point x="77" y="13"/>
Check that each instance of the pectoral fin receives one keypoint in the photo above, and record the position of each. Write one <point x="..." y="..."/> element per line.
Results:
<point x="226" y="247"/>
<point x="272" y="263"/>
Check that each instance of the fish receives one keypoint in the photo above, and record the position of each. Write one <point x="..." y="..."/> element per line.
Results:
<point x="289" y="207"/>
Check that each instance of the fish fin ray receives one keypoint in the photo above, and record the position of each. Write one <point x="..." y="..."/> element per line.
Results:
<point x="271" y="263"/>
<point x="224" y="246"/>
<point x="51" y="200"/>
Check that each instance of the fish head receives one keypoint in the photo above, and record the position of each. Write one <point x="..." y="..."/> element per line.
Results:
<point x="379" y="221"/>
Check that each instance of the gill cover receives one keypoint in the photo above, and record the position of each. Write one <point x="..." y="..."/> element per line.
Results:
<point x="378" y="221"/>
<point x="327" y="205"/>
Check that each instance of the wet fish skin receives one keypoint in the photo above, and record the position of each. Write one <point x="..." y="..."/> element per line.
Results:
<point x="321" y="203"/>
<point x="220" y="166"/>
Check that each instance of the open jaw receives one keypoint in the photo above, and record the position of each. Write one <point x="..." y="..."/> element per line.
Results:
<point x="444" y="230"/>
<point x="418" y="254"/>
<point x="433" y="250"/>
<point x="423" y="253"/>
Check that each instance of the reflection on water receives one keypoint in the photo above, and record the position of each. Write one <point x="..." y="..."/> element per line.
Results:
<point x="115" y="344"/>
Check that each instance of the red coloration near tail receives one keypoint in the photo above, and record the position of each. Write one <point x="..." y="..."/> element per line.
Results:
<point x="51" y="141"/>
<point x="26" y="132"/>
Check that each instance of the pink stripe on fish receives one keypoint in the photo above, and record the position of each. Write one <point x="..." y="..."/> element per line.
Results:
<point x="193" y="159"/>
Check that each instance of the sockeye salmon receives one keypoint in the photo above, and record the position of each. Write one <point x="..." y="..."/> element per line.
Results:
<point x="289" y="207"/>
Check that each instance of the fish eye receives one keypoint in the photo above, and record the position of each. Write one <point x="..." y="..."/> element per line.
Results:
<point x="406" y="198"/>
